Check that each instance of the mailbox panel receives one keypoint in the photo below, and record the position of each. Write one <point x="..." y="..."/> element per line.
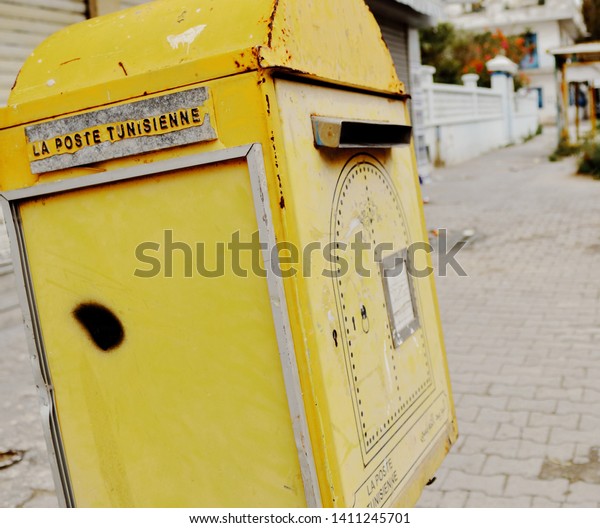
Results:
<point x="376" y="350"/>
<point x="186" y="404"/>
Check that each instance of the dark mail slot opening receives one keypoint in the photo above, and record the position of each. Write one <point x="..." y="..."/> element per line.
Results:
<point x="339" y="133"/>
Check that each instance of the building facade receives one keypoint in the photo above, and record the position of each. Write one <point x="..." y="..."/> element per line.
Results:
<point x="545" y="24"/>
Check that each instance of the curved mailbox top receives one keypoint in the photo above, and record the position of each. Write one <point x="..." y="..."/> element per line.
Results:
<point x="169" y="43"/>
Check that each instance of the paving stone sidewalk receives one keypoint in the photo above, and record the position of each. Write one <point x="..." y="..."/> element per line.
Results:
<point x="522" y="330"/>
<point x="27" y="483"/>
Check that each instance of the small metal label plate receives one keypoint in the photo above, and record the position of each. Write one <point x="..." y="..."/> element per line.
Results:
<point x="144" y="126"/>
<point x="399" y="296"/>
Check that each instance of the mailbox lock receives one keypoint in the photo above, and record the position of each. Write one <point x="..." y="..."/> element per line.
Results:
<point x="365" y="319"/>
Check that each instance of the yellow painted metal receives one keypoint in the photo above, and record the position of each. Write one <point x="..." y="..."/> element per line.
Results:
<point x="564" y="92"/>
<point x="191" y="409"/>
<point x="380" y="408"/>
<point x="576" y="111"/>
<point x="195" y="393"/>
<point x="196" y="41"/>
<point x="592" y="99"/>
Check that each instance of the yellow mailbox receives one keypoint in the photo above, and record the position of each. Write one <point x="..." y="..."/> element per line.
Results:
<point x="215" y="213"/>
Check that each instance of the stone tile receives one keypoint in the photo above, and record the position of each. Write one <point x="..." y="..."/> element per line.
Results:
<point x="496" y="465"/>
<point x="537" y="419"/>
<point x="489" y="484"/>
<point x="469" y="463"/>
<point x="481" y="500"/>
<point x="517" y="486"/>
<point x="430" y="498"/>
<point x="584" y="493"/>
<point x="485" y="402"/>
<point x="454" y="499"/>
<point x="529" y="404"/>
<point x="42" y="499"/>
<point x="543" y="502"/>
<point x="518" y="418"/>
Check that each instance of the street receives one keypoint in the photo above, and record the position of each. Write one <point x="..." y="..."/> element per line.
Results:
<point x="522" y="330"/>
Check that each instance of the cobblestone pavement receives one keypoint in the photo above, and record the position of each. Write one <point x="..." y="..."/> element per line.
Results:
<point x="28" y="482"/>
<point x="522" y="330"/>
<point x="522" y="334"/>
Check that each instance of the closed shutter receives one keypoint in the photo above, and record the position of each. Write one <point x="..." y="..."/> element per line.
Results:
<point x="396" y="38"/>
<point x="26" y="23"/>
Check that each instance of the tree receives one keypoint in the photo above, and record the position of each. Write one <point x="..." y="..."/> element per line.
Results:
<point x="455" y="52"/>
<point x="591" y="16"/>
<point x="439" y="45"/>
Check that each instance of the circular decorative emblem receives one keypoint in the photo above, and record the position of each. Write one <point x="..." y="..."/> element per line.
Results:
<point x="369" y="230"/>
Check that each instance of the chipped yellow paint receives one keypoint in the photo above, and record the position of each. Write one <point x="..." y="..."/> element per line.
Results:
<point x="139" y="50"/>
<point x="191" y="409"/>
<point x="385" y="414"/>
<point x="195" y="393"/>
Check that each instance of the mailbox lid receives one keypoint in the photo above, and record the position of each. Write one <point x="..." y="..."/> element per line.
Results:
<point x="170" y="43"/>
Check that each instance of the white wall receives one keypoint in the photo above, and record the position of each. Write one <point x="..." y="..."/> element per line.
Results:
<point x="548" y="36"/>
<point x="548" y="85"/>
<point x="463" y="122"/>
<point x="456" y="142"/>
<point x="526" y="114"/>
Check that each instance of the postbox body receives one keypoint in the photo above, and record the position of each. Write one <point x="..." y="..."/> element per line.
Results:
<point x="223" y="260"/>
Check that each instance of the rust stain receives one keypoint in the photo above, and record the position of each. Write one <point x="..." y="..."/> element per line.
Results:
<point x="16" y="79"/>
<point x="123" y="68"/>
<point x="270" y="23"/>
<point x="281" y="198"/>
<point x="268" y="105"/>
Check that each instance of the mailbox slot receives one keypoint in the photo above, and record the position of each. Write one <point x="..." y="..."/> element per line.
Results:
<point x="333" y="132"/>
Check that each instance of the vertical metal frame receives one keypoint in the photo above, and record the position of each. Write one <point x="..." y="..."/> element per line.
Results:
<point x="41" y="371"/>
<point x="282" y="326"/>
<point x="253" y="156"/>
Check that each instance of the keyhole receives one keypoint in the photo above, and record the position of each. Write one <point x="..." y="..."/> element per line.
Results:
<point x="365" y="319"/>
<point x="103" y="326"/>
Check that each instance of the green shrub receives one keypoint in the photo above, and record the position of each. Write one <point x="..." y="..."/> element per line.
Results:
<point x="564" y="150"/>
<point x="589" y="162"/>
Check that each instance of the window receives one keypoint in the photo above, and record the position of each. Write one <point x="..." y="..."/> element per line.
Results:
<point x="530" y="60"/>
<point x="540" y="94"/>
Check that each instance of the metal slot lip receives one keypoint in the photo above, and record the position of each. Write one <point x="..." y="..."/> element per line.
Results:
<point x="332" y="132"/>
